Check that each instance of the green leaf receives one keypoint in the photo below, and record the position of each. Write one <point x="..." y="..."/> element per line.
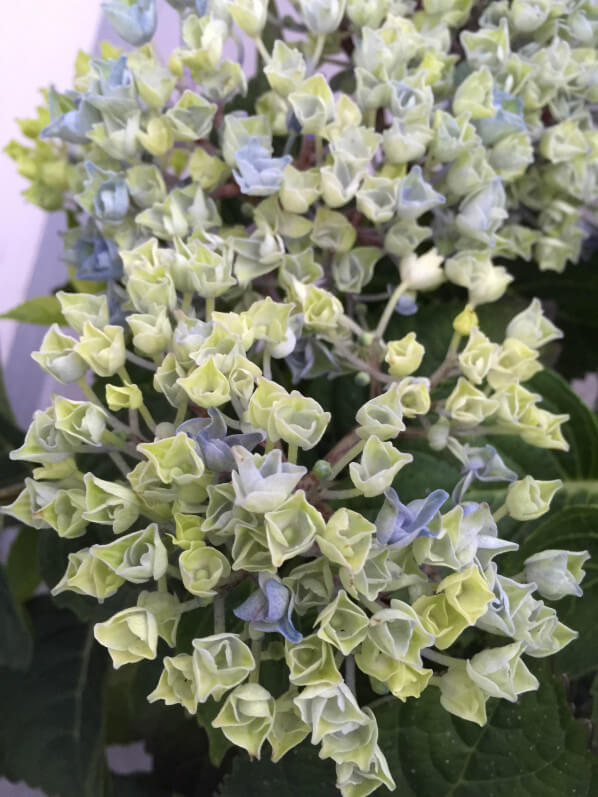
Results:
<point x="22" y="566"/>
<point x="15" y="639"/>
<point x="51" y="721"/>
<point x="299" y="773"/>
<point x="534" y="748"/>
<point x="43" y="310"/>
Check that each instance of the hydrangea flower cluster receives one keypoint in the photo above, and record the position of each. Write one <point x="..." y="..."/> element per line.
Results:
<point x="235" y="227"/>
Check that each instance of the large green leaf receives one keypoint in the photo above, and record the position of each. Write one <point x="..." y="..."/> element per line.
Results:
<point x="534" y="748"/>
<point x="43" y="310"/>
<point x="15" y="639"/>
<point x="22" y="566"/>
<point x="298" y="774"/>
<point x="51" y="721"/>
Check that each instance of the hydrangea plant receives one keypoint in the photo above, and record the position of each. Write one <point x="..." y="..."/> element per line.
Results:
<point x="234" y="244"/>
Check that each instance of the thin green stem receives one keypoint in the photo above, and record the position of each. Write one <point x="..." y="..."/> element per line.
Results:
<point x="261" y="48"/>
<point x="500" y="513"/>
<point x="389" y="309"/>
<point x="187" y="301"/>
<point x="256" y="649"/>
<point x="319" y="150"/>
<point x="210" y="307"/>
<point x="340" y="495"/>
<point x="141" y="361"/>
<point x="219" y="615"/>
<point x="440" y="658"/>
<point x="267" y="363"/>
<point x="292" y="453"/>
<point x="346" y="459"/>
<point x="181" y="412"/>
<point x="120" y="463"/>
<point x="163" y="584"/>
<point x="319" y="49"/>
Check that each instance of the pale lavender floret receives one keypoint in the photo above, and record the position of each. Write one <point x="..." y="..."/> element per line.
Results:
<point x="482" y="463"/>
<point x="270" y="608"/>
<point x="135" y="23"/>
<point x="214" y="444"/>
<point x="258" y="173"/>
<point x="397" y="524"/>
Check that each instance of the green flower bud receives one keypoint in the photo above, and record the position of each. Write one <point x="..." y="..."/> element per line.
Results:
<point x="299" y="420"/>
<point x="261" y="405"/>
<point x="166" y="608"/>
<point x="355" y="269"/>
<point x="408" y="681"/>
<point x="467" y="592"/>
<point x="288" y="729"/>
<point x="286" y="68"/>
<point x="250" y="550"/>
<point x="468" y="405"/>
<point x="110" y="504"/>
<point x="136" y="557"/>
<point x="207" y="170"/>
<point x="367" y="13"/>
<point x="166" y="380"/>
<point x="311" y="584"/>
<point x="422" y="273"/>
<point x="532" y="327"/>
<point x="64" y="513"/>
<point x="157" y="138"/>
<point x="203" y="569"/>
<point x="102" y="349"/>
<point x="154" y="498"/>
<point x="262" y="483"/>
<point x="130" y="636"/>
<point x="474" y="95"/>
<point x="322" y="17"/>
<point x="199" y="270"/>
<point x="147" y="187"/>
<point x="321" y="309"/>
<point x="206" y="385"/>
<point x="440" y="619"/>
<point x="404" y="356"/>
<point x="414" y="394"/>
<point x="220" y="662"/>
<point x="332" y="230"/>
<point x="377" y="199"/>
<point x="474" y="271"/>
<point x="322" y="469"/>
<point x="557" y="573"/>
<point x="151" y="334"/>
<point x="380" y="463"/>
<point x="399" y="633"/>
<point x="311" y="662"/>
<point x="57" y="356"/>
<point x="177" y="683"/>
<point x="563" y="142"/>
<point x="461" y="696"/>
<point x="342" y="623"/>
<point x="79" y="308"/>
<point x="81" y="422"/>
<point x="516" y="362"/>
<point x="247" y="717"/>
<point x="176" y="460"/>
<point x="191" y="117"/>
<point x="528" y="498"/>
<point x="339" y="182"/>
<point x="478" y="357"/>
<point x="347" y="539"/>
<point x="249" y="15"/>
<point x="123" y="397"/>
<point x="298" y="190"/>
<point x="292" y="528"/>
<point x="237" y="132"/>
<point x="355" y="782"/>
<point x="499" y="672"/>
<point x="329" y="709"/>
<point x="151" y="290"/>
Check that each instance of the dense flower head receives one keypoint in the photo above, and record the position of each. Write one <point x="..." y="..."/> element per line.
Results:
<point x="228" y="230"/>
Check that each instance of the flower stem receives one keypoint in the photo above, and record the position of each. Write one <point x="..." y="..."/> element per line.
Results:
<point x="340" y="495"/>
<point x="267" y="364"/>
<point x="500" y="513"/>
<point x="344" y="460"/>
<point x="219" y="615"/>
<point x="292" y="453"/>
<point x="187" y="300"/>
<point x="389" y="309"/>
<point x="256" y="649"/>
<point x="210" y="307"/>
<point x="261" y="48"/>
<point x="141" y="361"/>
<point x="439" y="658"/>
<point x="319" y="49"/>
<point x="181" y="412"/>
